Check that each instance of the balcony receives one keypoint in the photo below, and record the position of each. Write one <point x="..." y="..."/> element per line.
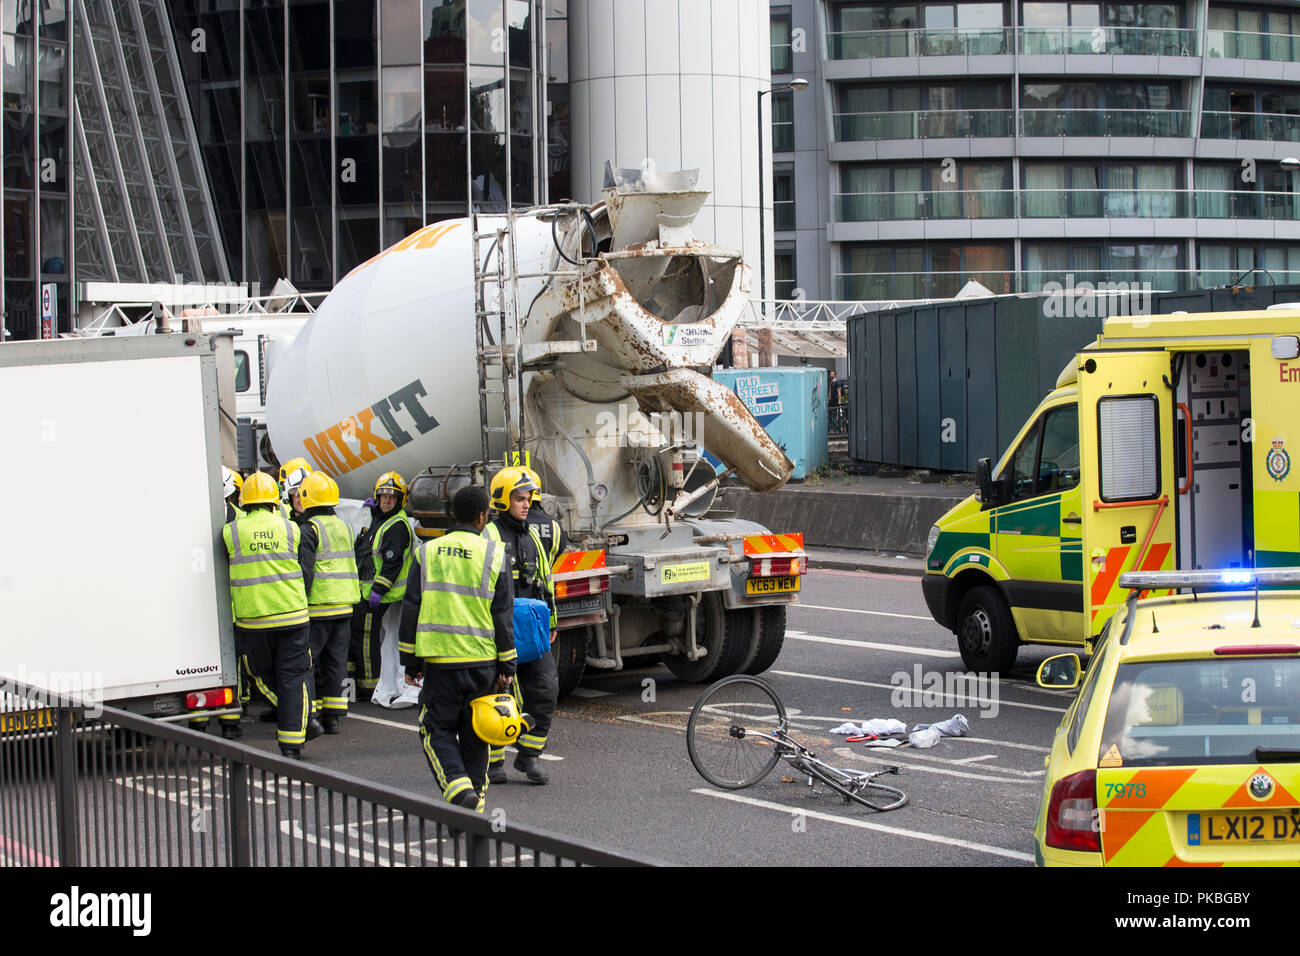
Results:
<point x="1232" y="45"/>
<point x="1066" y="204"/>
<point x="926" y="124"/>
<point x="892" y="286"/>
<point x="865" y="44"/>
<point x="1101" y="122"/>
<point x="1131" y="41"/>
<point x="1031" y="41"/>
<point x="1276" y="127"/>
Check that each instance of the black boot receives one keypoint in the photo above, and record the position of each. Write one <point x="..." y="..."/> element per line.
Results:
<point x="232" y="731"/>
<point x="293" y="753"/>
<point x="314" y="729"/>
<point x="330" y="722"/>
<point x="528" y="764"/>
<point x="497" y="772"/>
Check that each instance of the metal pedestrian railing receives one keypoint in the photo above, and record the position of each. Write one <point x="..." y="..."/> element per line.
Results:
<point x="85" y="785"/>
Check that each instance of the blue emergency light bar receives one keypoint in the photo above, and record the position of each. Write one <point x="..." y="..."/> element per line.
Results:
<point x="1229" y="579"/>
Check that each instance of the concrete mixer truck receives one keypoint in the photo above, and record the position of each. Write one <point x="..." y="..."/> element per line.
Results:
<point x="579" y="340"/>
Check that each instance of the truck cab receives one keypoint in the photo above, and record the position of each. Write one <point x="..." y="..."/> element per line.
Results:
<point x="1165" y="445"/>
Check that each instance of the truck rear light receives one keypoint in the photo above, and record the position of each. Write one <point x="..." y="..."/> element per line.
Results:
<point x="777" y="567"/>
<point x="1072" y="822"/>
<point x="580" y="586"/>
<point x="217" y="697"/>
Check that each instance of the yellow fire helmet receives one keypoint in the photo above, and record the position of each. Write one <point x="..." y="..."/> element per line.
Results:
<point x="506" y="482"/>
<point x="259" y="489"/>
<point x="319" y="490"/>
<point x="292" y="465"/>
<point x="537" y="480"/>
<point x="496" y="719"/>
<point x="393" y="483"/>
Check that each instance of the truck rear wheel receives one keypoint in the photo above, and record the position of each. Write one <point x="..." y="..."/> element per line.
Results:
<point x="725" y="638"/>
<point x="986" y="632"/>
<point x="771" y="638"/>
<point x="570" y="652"/>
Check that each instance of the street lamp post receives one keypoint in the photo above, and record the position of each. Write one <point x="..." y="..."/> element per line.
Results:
<point x="796" y="85"/>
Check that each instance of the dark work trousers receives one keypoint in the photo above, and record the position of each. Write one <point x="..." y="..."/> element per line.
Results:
<point x="367" y="639"/>
<point x="456" y="755"/>
<point x="536" y="689"/>
<point x="330" y="637"/>
<point x="281" y="651"/>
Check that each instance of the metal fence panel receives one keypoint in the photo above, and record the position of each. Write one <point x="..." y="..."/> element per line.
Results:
<point x="907" y="385"/>
<point x="952" y="386"/>
<point x="928" y="419"/>
<point x="108" y="788"/>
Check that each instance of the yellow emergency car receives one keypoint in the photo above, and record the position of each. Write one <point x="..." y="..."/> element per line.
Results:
<point x="1182" y="747"/>
<point x="1166" y="444"/>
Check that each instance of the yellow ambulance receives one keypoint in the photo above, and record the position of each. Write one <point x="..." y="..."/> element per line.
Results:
<point x="1166" y="444"/>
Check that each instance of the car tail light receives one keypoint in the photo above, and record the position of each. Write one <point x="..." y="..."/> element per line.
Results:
<point x="1072" y="813"/>
<point x="777" y="567"/>
<point x="217" y="697"/>
<point x="580" y="586"/>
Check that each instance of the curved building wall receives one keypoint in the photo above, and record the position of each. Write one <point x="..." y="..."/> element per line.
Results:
<point x="677" y="82"/>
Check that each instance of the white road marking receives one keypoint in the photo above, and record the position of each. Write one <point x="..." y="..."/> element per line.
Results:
<point x="590" y="692"/>
<point x="892" y="687"/>
<point x="855" y="610"/>
<point x="1002" y="743"/>
<point x="869" y="645"/>
<point x="977" y="759"/>
<point x="415" y="728"/>
<point x="868" y="825"/>
<point x="902" y="758"/>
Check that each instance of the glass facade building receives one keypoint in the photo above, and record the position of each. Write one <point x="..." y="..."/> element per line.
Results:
<point x="1026" y="144"/>
<point x="332" y="129"/>
<point x="213" y="140"/>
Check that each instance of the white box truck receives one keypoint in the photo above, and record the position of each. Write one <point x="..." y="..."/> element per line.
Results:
<point x="113" y="577"/>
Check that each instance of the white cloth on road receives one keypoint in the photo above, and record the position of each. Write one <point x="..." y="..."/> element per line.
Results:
<point x="955" y="726"/>
<point x="876" y="725"/>
<point x="922" y="739"/>
<point x="392" y="691"/>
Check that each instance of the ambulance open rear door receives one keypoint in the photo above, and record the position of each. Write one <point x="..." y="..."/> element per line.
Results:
<point x="1126" y="419"/>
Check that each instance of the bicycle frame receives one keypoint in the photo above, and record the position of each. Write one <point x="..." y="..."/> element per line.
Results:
<point x="801" y="759"/>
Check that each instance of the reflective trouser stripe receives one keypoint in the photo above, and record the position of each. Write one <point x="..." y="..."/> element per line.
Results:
<point x="261" y="684"/>
<point x="429" y="753"/>
<point x="456" y="787"/>
<point x="331" y="704"/>
<point x="296" y="738"/>
<point x="368" y="679"/>
<point x="531" y="742"/>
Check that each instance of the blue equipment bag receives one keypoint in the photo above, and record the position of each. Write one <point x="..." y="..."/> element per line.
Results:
<point x="532" y="629"/>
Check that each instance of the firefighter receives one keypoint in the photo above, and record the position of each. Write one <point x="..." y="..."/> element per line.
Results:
<point x="538" y="686"/>
<point x="232" y="483"/>
<point x="329" y="575"/>
<point x="270" y="605"/>
<point x="389" y="540"/>
<point x="457" y="637"/>
<point x="552" y="535"/>
<point x="292" y="487"/>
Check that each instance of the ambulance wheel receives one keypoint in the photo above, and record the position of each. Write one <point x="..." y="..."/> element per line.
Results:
<point x="570" y="652"/>
<point x="771" y="638"/>
<point x="719" y="634"/>
<point x="986" y="632"/>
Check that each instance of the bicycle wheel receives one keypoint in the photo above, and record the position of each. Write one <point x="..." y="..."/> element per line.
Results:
<point x="855" y="789"/>
<point x="724" y="734"/>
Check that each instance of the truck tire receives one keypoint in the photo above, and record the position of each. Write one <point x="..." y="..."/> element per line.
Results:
<point x="986" y="632"/>
<point x="717" y="632"/>
<point x="570" y="653"/>
<point x="771" y="638"/>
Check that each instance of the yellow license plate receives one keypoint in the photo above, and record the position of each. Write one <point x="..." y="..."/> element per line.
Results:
<point x="19" y="721"/>
<point x="788" y="582"/>
<point x="1225" y="828"/>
